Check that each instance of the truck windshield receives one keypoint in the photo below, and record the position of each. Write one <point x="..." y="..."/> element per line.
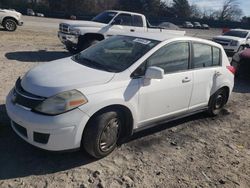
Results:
<point x="115" y="54"/>
<point x="240" y="34"/>
<point x="104" y="17"/>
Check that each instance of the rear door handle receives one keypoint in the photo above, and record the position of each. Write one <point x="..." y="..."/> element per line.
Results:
<point x="186" y="80"/>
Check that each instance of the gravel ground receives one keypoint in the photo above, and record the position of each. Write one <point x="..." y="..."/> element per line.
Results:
<point x="197" y="151"/>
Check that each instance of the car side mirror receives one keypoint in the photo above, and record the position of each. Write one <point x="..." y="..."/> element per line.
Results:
<point x="154" y="73"/>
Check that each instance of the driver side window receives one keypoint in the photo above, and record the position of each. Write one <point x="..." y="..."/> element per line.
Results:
<point x="124" y="19"/>
<point x="171" y="58"/>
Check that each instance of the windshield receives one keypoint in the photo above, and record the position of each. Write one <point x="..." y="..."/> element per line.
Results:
<point x="115" y="54"/>
<point x="104" y="17"/>
<point x="240" y="34"/>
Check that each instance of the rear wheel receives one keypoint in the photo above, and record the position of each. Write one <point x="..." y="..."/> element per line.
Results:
<point x="102" y="133"/>
<point x="9" y="24"/>
<point x="217" y="102"/>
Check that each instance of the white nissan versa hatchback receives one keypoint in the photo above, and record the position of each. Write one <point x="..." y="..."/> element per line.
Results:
<point x="117" y="87"/>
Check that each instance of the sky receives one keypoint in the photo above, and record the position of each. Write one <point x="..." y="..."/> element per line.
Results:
<point x="216" y="4"/>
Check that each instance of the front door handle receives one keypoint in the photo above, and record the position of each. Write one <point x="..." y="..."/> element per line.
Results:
<point x="132" y="30"/>
<point x="186" y="80"/>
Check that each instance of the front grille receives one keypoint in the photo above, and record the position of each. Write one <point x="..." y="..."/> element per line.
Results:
<point x="23" y="98"/>
<point x="64" y="28"/>
<point x="20" y="129"/>
<point x="41" y="138"/>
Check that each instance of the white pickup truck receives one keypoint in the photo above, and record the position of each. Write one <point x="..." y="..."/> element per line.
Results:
<point x="78" y="35"/>
<point x="234" y="40"/>
<point x="9" y="19"/>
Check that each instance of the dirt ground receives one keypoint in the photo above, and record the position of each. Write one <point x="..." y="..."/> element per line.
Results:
<point x="197" y="151"/>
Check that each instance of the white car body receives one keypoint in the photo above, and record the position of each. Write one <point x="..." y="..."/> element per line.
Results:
<point x="71" y="32"/>
<point x="227" y="41"/>
<point x="148" y="100"/>
<point x="17" y="16"/>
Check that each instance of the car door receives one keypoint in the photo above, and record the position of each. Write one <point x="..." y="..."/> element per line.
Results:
<point x="170" y="95"/>
<point x="206" y="65"/>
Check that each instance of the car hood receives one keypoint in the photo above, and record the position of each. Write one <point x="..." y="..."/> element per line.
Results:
<point x="62" y="75"/>
<point x="84" y="24"/>
<point x="229" y="38"/>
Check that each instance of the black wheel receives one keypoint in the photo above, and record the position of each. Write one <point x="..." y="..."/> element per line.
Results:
<point x="72" y="50"/>
<point x="102" y="133"/>
<point x="85" y="43"/>
<point x="9" y="24"/>
<point x="217" y="102"/>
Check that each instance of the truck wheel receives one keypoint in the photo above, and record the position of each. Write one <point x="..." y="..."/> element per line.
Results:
<point x="102" y="133"/>
<point x="217" y="102"/>
<point x="84" y="44"/>
<point x="9" y="24"/>
<point x="72" y="50"/>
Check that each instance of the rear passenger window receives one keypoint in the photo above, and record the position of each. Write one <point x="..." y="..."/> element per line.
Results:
<point x="202" y="55"/>
<point x="171" y="58"/>
<point x="216" y="56"/>
<point x="137" y="21"/>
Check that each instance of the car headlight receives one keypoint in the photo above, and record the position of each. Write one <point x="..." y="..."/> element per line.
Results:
<point x="61" y="103"/>
<point x="234" y="43"/>
<point x="74" y="31"/>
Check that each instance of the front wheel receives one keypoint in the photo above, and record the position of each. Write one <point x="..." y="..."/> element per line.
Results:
<point x="217" y="102"/>
<point x="102" y="133"/>
<point x="10" y="25"/>
<point x="72" y="50"/>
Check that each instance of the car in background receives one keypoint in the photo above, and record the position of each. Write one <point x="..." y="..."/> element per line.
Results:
<point x="39" y="14"/>
<point x="30" y="12"/>
<point x="241" y="63"/>
<point x="188" y="25"/>
<point x="197" y="25"/>
<point x="168" y="25"/>
<point x="79" y="35"/>
<point x="119" y="86"/>
<point x="10" y="19"/>
<point x="234" y="40"/>
<point x="205" y="26"/>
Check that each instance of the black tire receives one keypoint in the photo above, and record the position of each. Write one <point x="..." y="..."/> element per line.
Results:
<point x="85" y="43"/>
<point x="102" y="133"/>
<point x="72" y="50"/>
<point x="10" y="24"/>
<point x="217" y="102"/>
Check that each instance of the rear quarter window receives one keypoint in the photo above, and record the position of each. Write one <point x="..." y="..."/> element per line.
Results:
<point x="205" y="55"/>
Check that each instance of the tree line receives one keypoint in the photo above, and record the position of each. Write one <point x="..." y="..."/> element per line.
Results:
<point x="229" y="11"/>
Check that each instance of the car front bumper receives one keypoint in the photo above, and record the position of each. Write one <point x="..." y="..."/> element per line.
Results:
<point x="20" y="23"/>
<point x="54" y="133"/>
<point x="68" y="39"/>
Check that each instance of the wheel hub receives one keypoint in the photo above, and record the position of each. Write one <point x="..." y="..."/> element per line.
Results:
<point x="109" y="135"/>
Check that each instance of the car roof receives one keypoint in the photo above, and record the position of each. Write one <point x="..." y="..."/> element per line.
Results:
<point x="168" y="36"/>
<point x="125" y="12"/>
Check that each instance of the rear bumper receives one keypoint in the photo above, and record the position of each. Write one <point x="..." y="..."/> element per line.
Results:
<point x="68" y="39"/>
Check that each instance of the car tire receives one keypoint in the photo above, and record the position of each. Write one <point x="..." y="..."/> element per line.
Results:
<point x="217" y="102"/>
<point x="85" y="43"/>
<point x="102" y="133"/>
<point x="72" y="50"/>
<point x="10" y="24"/>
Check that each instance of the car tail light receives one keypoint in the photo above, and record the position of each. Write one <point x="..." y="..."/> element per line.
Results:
<point x="231" y="69"/>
